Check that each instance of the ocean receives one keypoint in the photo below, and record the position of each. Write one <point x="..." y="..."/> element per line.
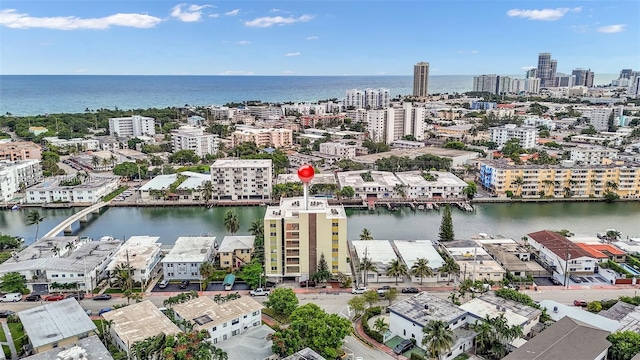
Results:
<point x="23" y="95"/>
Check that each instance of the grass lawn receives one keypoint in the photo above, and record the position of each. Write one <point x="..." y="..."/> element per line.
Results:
<point x="17" y="333"/>
<point x="98" y="325"/>
<point x="7" y="351"/>
<point x="3" y="337"/>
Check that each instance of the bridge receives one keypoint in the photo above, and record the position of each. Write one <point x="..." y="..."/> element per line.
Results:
<point x="82" y="216"/>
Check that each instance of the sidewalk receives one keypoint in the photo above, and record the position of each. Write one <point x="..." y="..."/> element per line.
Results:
<point x="9" y="343"/>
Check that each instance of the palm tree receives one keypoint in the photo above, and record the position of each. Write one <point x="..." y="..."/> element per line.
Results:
<point x="612" y="235"/>
<point x="438" y="339"/>
<point x="484" y="336"/>
<point x="421" y="268"/>
<point x="231" y="222"/>
<point x="455" y="299"/>
<point x="56" y="250"/>
<point x="34" y="218"/>
<point x="122" y="276"/>
<point x="207" y="190"/>
<point x="366" y="234"/>
<point x="450" y="267"/>
<point x="548" y="184"/>
<point x="206" y="270"/>
<point x="113" y="160"/>
<point x="397" y="269"/>
<point x="519" y="181"/>
<point x="366" y="265"/>
<point x="70" y="246"/>
<point x="95" y="161"/>
<point x="401" y="190"/>
<point x="257" y="228"/>
<point x="380" y="325"/>
<point x="217" y="298"/>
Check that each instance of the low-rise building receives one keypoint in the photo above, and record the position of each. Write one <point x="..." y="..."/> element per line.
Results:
<point x="222" y="321"/>
<point x="317" y="179"/>
<point x="423" y="185"/>
<point x="593" y="155"/>
<point x="56" y="324"/>
<point x="516" y="314"/>
<point x="20" y="150"/>
<point x="475" y="263"/>
<point x="90" y="348"/>
<point x="458" y="157"/>
<point x="277" y="138"/>
<point x="255" y="343"/>
<point x="137" y="322"/>
<point x="142" y="254"/>
<point x="454" y="131"/>
<point x="513" y="257"/>
<point x="380" y="254"/>
<point x="604" y="252"/>
<point x="407" y="144"/>
<point x="17" y="176"/>
<point x="72" y="190"/>
<point x="79" y="144"/>
<point x="236" y="251"/>
<point x="370" y="185"/>
<point x="187" y="255"/>
<point x="559" y="254"/>
<point x="193" y="138"/>
<point x="190" y="188"/>
<point x="242" y="179"/>
<point x="343" y="151"/>
<point x="412" y="250"/>
<point x="305" y="354"/>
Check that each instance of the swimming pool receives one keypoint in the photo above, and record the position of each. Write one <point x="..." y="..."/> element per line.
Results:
<point x="630" y="269"/>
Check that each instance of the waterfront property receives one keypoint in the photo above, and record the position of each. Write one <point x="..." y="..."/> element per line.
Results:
<point x="142" y="254"/>
<point x="222" y="321"/>
<point x="412" y="250"/>
<point x="56" y="324"/>
<point x="515" y="313"/>
<point x="72" y="190"/>
<point x="380" y="253"/>
<point x="474" y="261"/>
<point x="242" y="179"/>
<point x="317" y="179"/>
<point x="16" y="176"/>
<point x="235" y="251"/>
<point x="424" y="185"/>
<point x="604" y="252"/>
<point x="187" y="255"/>
<point x="371" y="185"/>
<point x="186" y="185"/>
<point x="561" y="255"/>
<point x="20" y="150"/>
<point x="298" y="234"/>
<point x="514" y="257"/>
<point x="137" y="322"/>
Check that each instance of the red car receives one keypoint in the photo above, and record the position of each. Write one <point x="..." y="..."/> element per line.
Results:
<point x="54" y="297"/>
<point x="579" y="303"/>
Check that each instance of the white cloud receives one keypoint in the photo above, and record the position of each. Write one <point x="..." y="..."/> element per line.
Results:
<point x="525" y="68"/>
<point x="292" y="54"/>
<point x="544" y="14"/>
<point x="237" y="72"/>
<point x="80" y="71"/>
<point x="474" y="51"/>
<point x="313" y="37"/>
<point x="190" y="13"/>
<point x="610" y="29"/>
<point x="243" y="42"/>
<point x="214" y="15"/>
<point x="232" y="12"/>
<point x="287" y="72"/>
<point x="12" y="19"/>
<point x="268" y="21"/>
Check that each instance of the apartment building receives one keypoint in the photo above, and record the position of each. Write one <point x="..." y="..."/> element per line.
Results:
<point x="567" y="180"/>
<point x="388" y="125"/>
<point x="421" y="79"/>
<point x="277" y="138"/>
<point x="367" y="99"/>
<point x="296" y="236"/>
<point x="62" y="189"/>
<point x="599" y="118"/>
<point x="142" y="254"/>
<point x="20" y="150"/>
<point x="371" y="185"/>
<point x="242" y="179"/>
<point x="15" y="176"/>
<point x="560" y="254"/>
<point x="79" y="144"/>
<point x="494" y="84"/>
<point x="193" y="138"/>
<point x="593" y="155"/>
<point x="344" y="151"/>
<point x="236" y="251"/>
<point x="322" y="119"/>
<point x="526" y="135"/>
<point x="440" y="185"/>
<point x="132" y="126"/>
<point x="187" y="255"/>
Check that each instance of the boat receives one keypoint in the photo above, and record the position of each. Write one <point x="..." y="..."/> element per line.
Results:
<point x="15" y="207"/>
<point x="429" y="206"/>
<point x="420" y="207"/>
<point x="107" y="238"/>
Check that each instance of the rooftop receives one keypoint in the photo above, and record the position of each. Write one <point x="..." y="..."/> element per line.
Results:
<point x="503" y="164"/>
<point x="413" y="153"/>
<point x="245" y="163"/>
<point x="354" y="179"/>
<point x="305" y="354"/>
<point x="559" y="245"/>
<point x="91" y="348"/>
<point x="206" y="313"/>
<point x="251" y="344"/>
<point x="55" y="321"/>
<point x="493" y="306"/>
<point x="42" y="248"/>
<point x="577" y="313"/>
<point x="193" y="181"/>
<point x="139" y="321"/>
<point x="411" y="250"/>
<point x="290" y="207"/>
<point x="232" y="243"/>
<point x="415" y="179"/>
<point x="317" y="179"/>
<point x="53" y="183"/>
<point x="618" y="311"/>
<point x="138" y="251"/>
<point x="191" y="249"/>
<point x="423" y="307"/>
<point x="380" y="252"/>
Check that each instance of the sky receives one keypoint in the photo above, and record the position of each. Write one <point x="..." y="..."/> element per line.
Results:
<point x="329" y="37"/>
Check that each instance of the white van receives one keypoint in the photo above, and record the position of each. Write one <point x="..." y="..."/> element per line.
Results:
<point x="12" y="297"/>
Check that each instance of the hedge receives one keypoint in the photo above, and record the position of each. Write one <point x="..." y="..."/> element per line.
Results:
<point x="369" y="313"/>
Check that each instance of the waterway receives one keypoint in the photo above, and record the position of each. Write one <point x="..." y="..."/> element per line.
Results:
<point x="510" y="220"/>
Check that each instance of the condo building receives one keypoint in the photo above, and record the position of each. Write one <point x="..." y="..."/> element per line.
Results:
<point x="19" y="150"/>
<point x="526" y="135"/>
<point x="583" y="77"/>
<point x="296" y="237"/>
<point x="132" y="126"/>
<point x="388" y="125"/>
<point x="193" y="138"/>
<point x="367" y="99"/>
<point x="235" y="179"/>
<point x="593" y="155"/>
<point x="546" y="69"/>
<point x="421" y="79"/>
<point x="16" y="176"/>
<point x="343" y="151"/>
<point x="277" y="138"/>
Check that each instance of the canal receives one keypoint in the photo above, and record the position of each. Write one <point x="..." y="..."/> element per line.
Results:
<point x="510" y="220"/>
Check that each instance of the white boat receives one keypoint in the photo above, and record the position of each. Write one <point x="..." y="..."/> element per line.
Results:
<point x="107" y="238"/>
<point x="15" y="207"/>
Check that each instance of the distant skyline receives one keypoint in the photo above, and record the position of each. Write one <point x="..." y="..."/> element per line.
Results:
<point x="315" y="37"/>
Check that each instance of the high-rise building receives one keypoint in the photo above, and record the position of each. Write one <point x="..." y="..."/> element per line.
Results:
<point x="494" y="84"/>
<point x="297" y="236"/>
<point x="546" y="69"/>
<point x="421" y="79"/>
<point x="554" y="69"/>
<point x="367" y="99"/>
<point x="531" y="73"/>
<point x="135" y="125"/>
<point x="583" y="77"/>
<point x="625" y="74"/>
<point x="393" y="123"/>
<point x="564" y="80"/>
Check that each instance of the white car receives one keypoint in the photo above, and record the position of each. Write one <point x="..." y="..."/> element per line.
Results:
<point x="11" y="297"/>
<point x="360" y="290"/>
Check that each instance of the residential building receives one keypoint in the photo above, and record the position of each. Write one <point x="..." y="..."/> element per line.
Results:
<point x="75" y="144"/>
<point x="132" y="126"/>
<point x="537" y="121"/>
<point x="38" y="130"/>
<point x="193" y="138"/>
<point x="564" y="80"/>
<point x="458" y="157"/>
<point x="137" y="322"/>
<point x="371" y="185"/>
<point x="367" y="99"/>
<point x="561" y="255"/>
<point x="567" y="339"/>
<point x="604" y="252"/>
<point x="454" y="131"/>
<point x="17" y="176"/>
<point x="407" y="144"/>
<point x="222" y="321"/>
<point x="254" y="343"/>
<point x="393" y="123"/>
<point x="236" y="251"/>
<point x="277" y="138"/>
<point x="97" y="161"/>
<point x="557" y="311"/>
<point x="527" y="136"/>
<point x="516" y="314"/>
<point x="343" y="151"/>
<point x="56" y="324"/>
<point x="306" y="354"/>
<point x="317" y="179"/>
<point x="242" y="179"/>
<point x="296" y="235"/>
<point x="546" y="69"/>
<point x="421" y="79"/>
<point x="408" y="317"/>
<point x="63" y="189"/>
<point x="593" y="155"/>
<point x="142" y="254"/>
<point x="423" y="185"/>
<point x="187" y="255"/>
<point x="90" y="348"/>
<point x="380" y="253"/>
<point x="493" y="84"/>
<point x="474" y="261"/>
<point x="196" y="121"/>
<point x="265" y="112"/>
<point x="20" y="150"/>
<point x="513" y="257"/>
<point x="190" y="189"/>
<point x="583" y="77"/>
<point x="599" y="117"/>
<point x="322" y="119"/>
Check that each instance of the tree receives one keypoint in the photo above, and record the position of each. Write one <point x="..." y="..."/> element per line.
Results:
<point x="122" y="276"/>
<point x="357" y="304"/>
<point x="518" y="182"/>
<point x="348" y="192"/>
<point x="450" y="267"/>
<point x="231" y="222"/>
<point x="184" y="156"/>
<point x="371" y="297"/>
<point x="70" y="246"/>
<point x="8" y="242"/>
<point x="13" y="282"/>
<point x="283" y="301"/>
<point x="181" y="346"/>
<point x="367" y="266"/>
<point x="438" y="339"/>
<point x="396" y="269"/>
<point x="391" y="295"/>
<point x="206" y="189"/>
<point x="34" y="218"/>
<point x="366" y="234"/>
<point x="421" y="269"/>
<point x="323" y="274"/>
<point x="130" y="170"/>
<point x="446" y="226"/>
<point x="401" y="190"/>
<point x="471" y="190"/>
<point x="252" y="272"/>
<point x="206" y="270"/>
<point x="380" y="325"/>
<point x="257" y="228"/>
<point x="95" y="161"/>
<point x="624" y="345"/>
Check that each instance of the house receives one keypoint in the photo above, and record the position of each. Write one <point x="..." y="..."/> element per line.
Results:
<point x="514" y="257"/>
<point x="490" y="305"/>
<point x="410" y="316"/>
<point x="567" y="339"/>
<point x="222" y="321"/>
<point x="380" y="253"/>
<point x="412" y="250"/>
<point x="474" y="261"/>
<point x="90" y="348"/>
<point x="255" y="343"/>
<point x="561" y="255"/>
<point x="187" y="255"/>
<point x="56" y="324"/>
<point x="142" y="254"/>
<point x="137" y="322"/>
<point x="605" y="252"/>
<point x="557" y="311"/>
<point x="236" y="251"/>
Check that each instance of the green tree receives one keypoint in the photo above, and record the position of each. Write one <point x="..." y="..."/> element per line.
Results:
<point x="8" y="242"/>
<point x="366" y="234"/>
<point x="323" y="274"/>
<point x="367" y="266"/>
<point x="121" y="276"/>
<point x="450" y="267"/>
<point x="257" y="228"/>
<point x="130" y="170"/>
<point x="391" y="295"/>
<point x="34" y="218"/>
<point x="206" y="271"/>
<point x="624" y="345"/>
<point x="252" y="272"/>
<point x="184" y="156"/>
<point x="380" y="325"/>
<point x="446" y="225"/>
<point x="397" y="269"/>
<point x="357" y="304"/>
<point x="231" y="222"/>
<point x="371" y="297"/>
<point x="421" y="269"/>
<point x="518" y="182"/>
<point x="13" y="282"/>
<point x="283" y="301"/>
<point x="594" y="306"/>
<point x="206" y="189"/>
<point x="471" y="190"/>
<point x="438" y="339"/>
<point x="348" y="192"/>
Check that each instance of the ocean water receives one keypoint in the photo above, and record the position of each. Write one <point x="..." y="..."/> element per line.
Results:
<point x="40" y="94"/>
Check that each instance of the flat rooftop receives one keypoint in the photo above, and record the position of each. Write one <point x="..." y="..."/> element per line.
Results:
<point x="139" y="250"/>
<point x="92" y="183"/>
<point x="489" y="304"/>
<point x="139" y="321"/>
<point x="244" y="163"/>
<point x="317" y="179"/>
<point x="379" y="252"/>
<point x="415" y="179"/>
<point x="412" y="250"/>
<point x="191" y="249"/>
<point x="354" y="179"/>
<point x="42" y="248"/>
<point x="578" y="313"/>
<point x="91" y="348"/>
<point x="423" y="307"/>
<point x="413" y="153"/>
<point x="206" y="313"/>
<point x="289" y="206"/>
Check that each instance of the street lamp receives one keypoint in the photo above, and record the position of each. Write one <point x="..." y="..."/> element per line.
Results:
<point x="566" y="265"/>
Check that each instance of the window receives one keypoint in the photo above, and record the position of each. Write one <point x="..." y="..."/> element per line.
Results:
<point x="224" y="325"/>
<point x="256" y="313"/>
<point x="235" y="321"/>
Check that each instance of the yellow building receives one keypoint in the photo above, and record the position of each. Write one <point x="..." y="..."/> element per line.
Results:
<point x="235" y="251"/>
<point x="296" y="238"/>
<point x="561" y="181"/>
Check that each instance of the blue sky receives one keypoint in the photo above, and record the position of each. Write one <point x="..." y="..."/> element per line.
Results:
<point x="365" y="37"/>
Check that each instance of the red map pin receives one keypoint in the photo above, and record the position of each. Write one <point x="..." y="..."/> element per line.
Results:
<point x="306" y="173"/>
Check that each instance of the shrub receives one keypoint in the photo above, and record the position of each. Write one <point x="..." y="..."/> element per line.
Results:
<point x="369" y="313"/>
<point x="415" y="356"/>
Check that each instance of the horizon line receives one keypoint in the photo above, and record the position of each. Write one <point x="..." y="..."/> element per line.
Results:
<point x="257" y="75"/>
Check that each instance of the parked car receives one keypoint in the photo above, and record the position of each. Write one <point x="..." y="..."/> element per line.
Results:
<point x="403" y="347"/>
<point x="582" y="303"/>
<point x="54" y="297"/>
<point x="184" y="284"/>
<point x="555" y="281"/>
<point x="6" y="313"/>
<point x="513" y="287"/>
<point x="11" y="297"/>
<point x="33" y="297"/>
<point x="575" y="279"/>
<point x="102" y="297"/>
<point x="77" y="296"/>
<point x="383" y="289"/>
<point x="309" y="283"/>
<point x="259" y="292"/>
<point x="410" y="290"/>
<point x="163" y="284"/>
<point x="359" y="290"/>
<point x="105" y="310"/>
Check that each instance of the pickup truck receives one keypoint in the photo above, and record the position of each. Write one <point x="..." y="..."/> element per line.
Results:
<point x="259" y="292"/>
